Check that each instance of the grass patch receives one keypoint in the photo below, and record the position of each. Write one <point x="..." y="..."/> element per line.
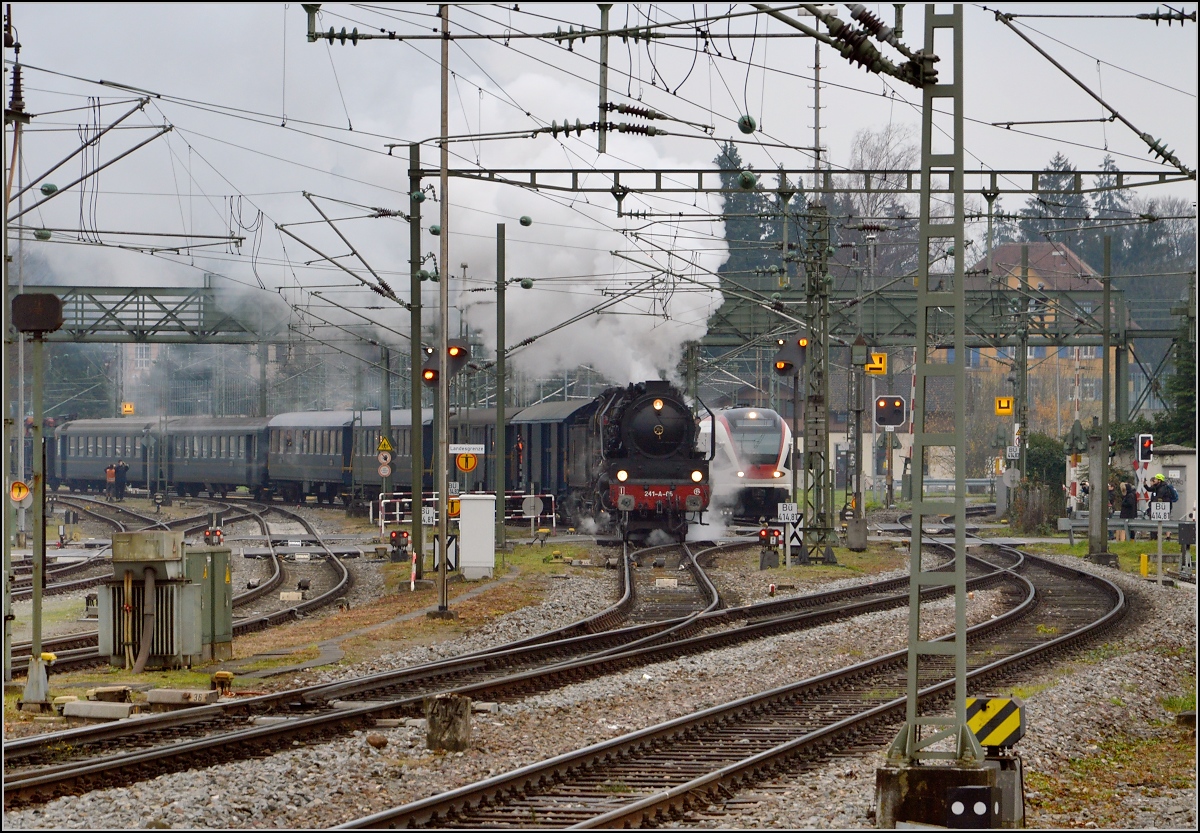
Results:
<point x="1128" y="553"/>
<point x="1047" y="630"/>
<point x="616" y="787"/>
<point x="1117" y="769"/>
<point x="282" y="660"/>
<point x="1024" y="692"/>
<point x="56" y="610"/>
<point x="882" y="694"/>
<point x="1182" y="703"/>
<point x="1101" y="653"/>
<point x="877" y="558"/>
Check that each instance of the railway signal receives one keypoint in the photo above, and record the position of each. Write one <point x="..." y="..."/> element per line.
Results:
<point x="1145" y="448"/>
<point x="793" y="350"/>
<point x="431" y="368"/>
<point x="769" y="537"/>
<point x="890" y="410"/>
<point x="458" y="353"/>
<point x="398" y="538"/>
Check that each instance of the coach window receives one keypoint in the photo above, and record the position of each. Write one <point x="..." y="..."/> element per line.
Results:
<point x="225" y="447"/>
<point x="91" y="447"/>
<point x="241" y="452"/>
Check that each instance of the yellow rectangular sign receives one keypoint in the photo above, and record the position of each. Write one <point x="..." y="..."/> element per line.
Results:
<point x="877" y="365"/>
<point x="1004" y="405"/>
<point x="126" y="409"/>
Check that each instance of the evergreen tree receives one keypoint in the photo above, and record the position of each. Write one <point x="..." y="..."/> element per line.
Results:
<point x="1059" y="203"/>
<point x="753" y="226"/>
<point x="1111" y="209"/>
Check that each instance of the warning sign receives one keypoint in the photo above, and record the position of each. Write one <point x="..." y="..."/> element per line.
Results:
<point x="18" y="491"/>
<point x="385" y="444"/>
<point x="466" y="462"/>
<point x="452" y="506"/>
<point x="996" y="721"/>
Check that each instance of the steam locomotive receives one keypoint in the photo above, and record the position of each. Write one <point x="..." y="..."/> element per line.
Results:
<point x="625" y="462"/>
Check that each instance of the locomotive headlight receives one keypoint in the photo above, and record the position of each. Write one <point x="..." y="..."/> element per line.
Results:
<point x="777" y="473"/>
<point x="697" y="476"/>
<point x="741" y="474"/>
<point x="622" y="475"/>
<point x="658" y="404"/>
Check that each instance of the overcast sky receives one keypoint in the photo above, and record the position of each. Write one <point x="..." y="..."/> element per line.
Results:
<point x="259" y="115"/>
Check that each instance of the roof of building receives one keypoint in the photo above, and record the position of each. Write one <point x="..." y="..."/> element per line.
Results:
<point x="1054" y="265"/>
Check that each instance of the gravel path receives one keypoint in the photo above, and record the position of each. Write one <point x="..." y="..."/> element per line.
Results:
<point x="319" y="785"/>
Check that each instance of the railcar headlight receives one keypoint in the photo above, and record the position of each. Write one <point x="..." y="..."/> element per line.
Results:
<point x="752" y="415"/>
<point x="697" y="476"/>
<point x="777" y="473"/>
<point x="658" y="404"/>
<point x="741" y="474"/>
<point x="622" y="475"/>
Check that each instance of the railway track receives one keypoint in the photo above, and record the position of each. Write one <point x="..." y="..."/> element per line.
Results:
<point x="681" y="768"/>
<point x="514" y="671"/>
<point x="80" y="650"/>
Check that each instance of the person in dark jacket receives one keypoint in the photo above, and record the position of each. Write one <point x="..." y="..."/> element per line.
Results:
<point x="122" y="474"/>
<point x="1128" y="501"/>
<point x="1161" y="492"/>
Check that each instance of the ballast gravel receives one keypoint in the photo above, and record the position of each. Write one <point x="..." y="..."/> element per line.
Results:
<point x="323" y="784"/>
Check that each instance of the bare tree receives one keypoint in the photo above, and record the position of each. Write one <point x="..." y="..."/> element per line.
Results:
<point x="891" y="148"/>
